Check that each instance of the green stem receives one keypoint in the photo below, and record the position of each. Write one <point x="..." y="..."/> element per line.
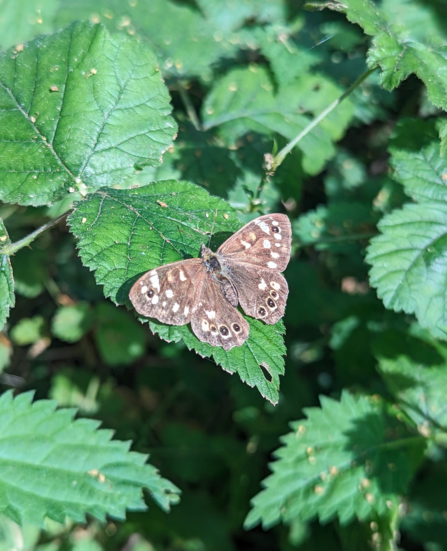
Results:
<point x="189" y="107"/>
<point x="279" y="158"/>
<point x="14" y="247"/>
<point x="340" y="239"/>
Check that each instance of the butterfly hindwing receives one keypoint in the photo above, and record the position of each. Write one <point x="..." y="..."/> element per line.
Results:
<point x="215" y="321"/>
<point x="169" y="293"/>
<point x="264" y="242"/>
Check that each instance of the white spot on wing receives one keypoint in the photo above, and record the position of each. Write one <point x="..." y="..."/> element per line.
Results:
<point x="274" y="255"/>
<point x="263" y="226"/>
<point x="246" y="245"/>
<point x="277" y="244"/>
<point x="182" y="276"/>
<point x="272" y="265"/>
<point x="155" y="299"/>
<point x="164" y="303"/>
<point x="277" y="236"/>
<point x="211" y="314"/>
<point x="186" y="311"/>
<point x="155" y="281"/>
<point x="275" y="223"/>
<point x="266" y="244"/>
<point x="144" y="289"/>
<point x="205" y="325"/>
<point x="262" y="285"/>
<point x="169" y="293"/>
<point x="175" y="307"/>
<point x="275" y="285"/>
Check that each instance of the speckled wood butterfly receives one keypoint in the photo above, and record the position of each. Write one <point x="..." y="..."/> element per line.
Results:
<point x="205" y="291"/>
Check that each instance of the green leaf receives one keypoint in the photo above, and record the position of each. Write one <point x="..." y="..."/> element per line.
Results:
<point x="28" y="330"/>
<point x="22" y="20"/>
<point x="56" y="467"/>
<point x="244" y="100"/>
<point x="119" y="338"/>
<point x="348" y="459"/>
<point x="414" y="367"/>
<point x="79" y="109"/>
<point x="7" y="298"/>
<point x="397" y="51"/>
<point x="191" y="52"/>
<point x="70" y="323"/>
<point x="123" y="234"/>
<point x="30" y="272"/>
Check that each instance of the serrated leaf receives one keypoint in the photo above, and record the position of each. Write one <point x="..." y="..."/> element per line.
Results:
<point x="398" y="53"/>
<point x="244" y="100"/>
<point x="414" y="367"/>
<point x="123" y="234"/>
<point x="70" y="323"/>
<point x="28" y="330"/>
<point x="119" y="337"/>
<point x="348" y="459"/>
<point x="191" y="52"/>
<point x="416" y="160"/>
<point x="409" y="263"/>
<point x="79" y="109"/>
<point x="56" y="467"/>
<point x="21" y="20"/>
<point x="7" y="297"/>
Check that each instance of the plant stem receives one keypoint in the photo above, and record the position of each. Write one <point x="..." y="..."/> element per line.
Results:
<point x="14" y="247"/>
<point x="189" y="107"/>
<point x="279" y="158"/>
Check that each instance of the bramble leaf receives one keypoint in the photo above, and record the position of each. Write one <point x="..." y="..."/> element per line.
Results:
<point x="7" y="297"/>
<point x="348" y="459"/>
<point x="191" y="52"/>
<point x="122" y="234"/>
<point x="56" y="467"/>
<point x="397" y="49"/>
<point x="79" y="109"/>
<point x="28" y="330"/>
<point x="70" y="323"/>
<point x="244" y="100"/>
<point x="409" y="258"/>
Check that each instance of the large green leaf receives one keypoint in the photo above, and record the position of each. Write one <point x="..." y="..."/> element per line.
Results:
<point x="409" y="258"/>
<point x="7" y="297"/>
<point x="414" y="367"/>
<point x="397" y="49"/>
<point x="348" y="459"/>
<point x="244" y="100"/>
<point x="190" y="52"/>
<point x="56" y="467"/>
<point x="21" y="20"/>
<point x="123" y="234"/>
<point x="79" y="109"/>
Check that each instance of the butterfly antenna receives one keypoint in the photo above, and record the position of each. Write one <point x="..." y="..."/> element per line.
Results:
<point x="212" y="229"/>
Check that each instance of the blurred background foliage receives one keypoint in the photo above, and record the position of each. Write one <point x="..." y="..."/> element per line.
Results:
<point x="208" y="432"/>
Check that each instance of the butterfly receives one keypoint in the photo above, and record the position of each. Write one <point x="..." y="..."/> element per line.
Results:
<point x="245" y="270"/>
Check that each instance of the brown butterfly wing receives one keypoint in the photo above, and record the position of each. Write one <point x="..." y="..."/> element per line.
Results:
<point x="264" y="242"/>
<point x="170" y="293"/>
<point x="215" y="321"/>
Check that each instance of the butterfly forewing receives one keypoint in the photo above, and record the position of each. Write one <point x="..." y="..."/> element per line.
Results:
<point x="170" y="293"/>
<point x="263" y="242"/>
<point x="215" y="321"/>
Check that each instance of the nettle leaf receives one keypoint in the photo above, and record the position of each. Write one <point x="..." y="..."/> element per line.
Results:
<point x="124" y="233"/>
<point x="397" y="51"/>
<point x="244" y="100"/>
<point x="79" y="109"/>
<point x="7" y="297"/>
<point x="409" y="258"/>
<point x="414" y="366"/>
<point x="348" y="459"/>
<point x="85" y="471"/>
<point x="191" y="52"/>
<point x="21" y="21"/>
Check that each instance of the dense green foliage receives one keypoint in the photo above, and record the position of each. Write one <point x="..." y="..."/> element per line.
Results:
<point x="133" y="132"/>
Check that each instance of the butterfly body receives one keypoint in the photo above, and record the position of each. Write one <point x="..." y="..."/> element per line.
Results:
<point x="205" y="291"/>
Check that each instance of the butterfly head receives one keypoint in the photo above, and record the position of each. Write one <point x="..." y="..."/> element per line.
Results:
<point x="210" y="259"/>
